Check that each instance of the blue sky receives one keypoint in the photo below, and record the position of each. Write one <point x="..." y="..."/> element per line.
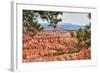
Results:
<point x="75" y="18"/>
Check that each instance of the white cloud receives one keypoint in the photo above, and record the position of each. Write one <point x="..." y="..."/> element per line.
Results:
<point x="41" y="21"/>
<point x="68" y="17"/>
<point x="76" y="18"/>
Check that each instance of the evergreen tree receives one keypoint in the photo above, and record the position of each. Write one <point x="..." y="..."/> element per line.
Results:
<point x="30" y="22"/>
<point x="83" y="36"/>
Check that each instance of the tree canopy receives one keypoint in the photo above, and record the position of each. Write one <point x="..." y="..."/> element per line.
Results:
<point x="83" y="36"/>
<point x="30" y="20"/>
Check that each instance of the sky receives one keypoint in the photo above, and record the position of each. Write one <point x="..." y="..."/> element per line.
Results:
<point x="74" y="18"/>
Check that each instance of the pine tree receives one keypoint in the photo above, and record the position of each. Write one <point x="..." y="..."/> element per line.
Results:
<point x="83" y="36"/>
<point x="30" y="22"/>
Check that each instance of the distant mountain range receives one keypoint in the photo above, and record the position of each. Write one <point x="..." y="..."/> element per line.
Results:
<point x="63" y="26"/>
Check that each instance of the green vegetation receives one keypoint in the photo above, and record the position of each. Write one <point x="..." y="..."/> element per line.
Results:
<point x="30" y="20"/>
<point x="83" y="36"/>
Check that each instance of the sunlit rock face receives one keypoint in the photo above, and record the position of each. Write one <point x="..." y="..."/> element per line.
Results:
<point x="54" y="46"/>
